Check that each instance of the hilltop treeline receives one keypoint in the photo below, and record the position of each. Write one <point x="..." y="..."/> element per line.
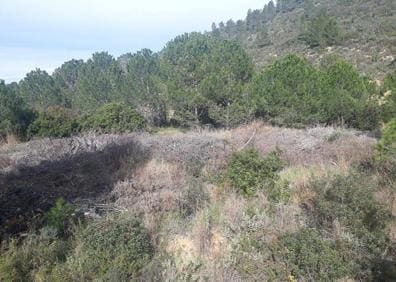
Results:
<point x="196" y="79"/>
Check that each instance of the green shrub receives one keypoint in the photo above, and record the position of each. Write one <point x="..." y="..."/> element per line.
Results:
<point x="249" y="172"/>
<point x="388" y="97"/>
<point x="113" y="118"/>
<point x="349" y="200"/>
<point x="253" y="256"/>
<point x="311" y="257"/>
<point x="387" y="145"/>
<point x="117" y="247"/>
<point x="33" y="258"/>
<point x="59" y="216"/>
<point x="54" y="122"/>
<point x="321" y="31"/>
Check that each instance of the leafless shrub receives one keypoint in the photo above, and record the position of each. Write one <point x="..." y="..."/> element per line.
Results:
<point x="187" y="149"/>
<point x="233" y="211"/>
<point x="202" y="233"/>
<point x="34" y="152"/>
<point x="154" y="187"/>
<point x="302" y="146"/>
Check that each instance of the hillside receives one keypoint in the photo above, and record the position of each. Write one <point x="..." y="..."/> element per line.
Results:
<point x="366" y="32"/>
<point x="260" y="151"/>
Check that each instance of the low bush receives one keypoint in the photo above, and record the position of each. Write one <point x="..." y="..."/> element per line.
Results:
<point x="33" y="258"/>
<point x="115" y="248"/>
<point x="194" y="198"/>
<point x="350" y="200"/>
<point x="387" y="145"/>
<point x="59" y="216"/>
<point x="113" y="118"/>
<point x="249" y="172"/>
<point x="54" y="122"/>
<point x="388" y="97"/>
<point x="312" y="258"/>
<point x="347" y="205"/>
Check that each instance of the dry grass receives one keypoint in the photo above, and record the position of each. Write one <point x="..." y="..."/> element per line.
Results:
<point x="9" y="142"/>
<point x="300" y="178"/>
<point x="319" y="145"/>
<point x="154" y="187"/>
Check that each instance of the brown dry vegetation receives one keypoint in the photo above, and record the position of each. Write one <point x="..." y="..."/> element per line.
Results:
<point x="150" y="172"/>
<point x="198" y="225"/>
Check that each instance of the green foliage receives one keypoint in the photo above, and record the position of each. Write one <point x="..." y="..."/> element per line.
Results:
<point x="311" y="257"/>
<point x="39" y="91"/>
<point x="204" y="72"/>
<point x="97" y="83"/>
<point x="142" y="86"/>
<point x="253" y="256"/>
<point x="286" y="91"/>
<point x="387" y="145"/>
<point x="292" y="92"/>
<point x="322" y="30"/>
<point x="349" y="201"/>
<point x="59" y="216"/>
<point x="249" y="172"/>
<point x="388" y="97"/>
<point x="115" y="248"/>
<point x="54" y="122"/>
<point x="347" y="97"/>
<point x="14" y="115"/>
<point x="113" y="118"/>
<point x="33" y="258"/>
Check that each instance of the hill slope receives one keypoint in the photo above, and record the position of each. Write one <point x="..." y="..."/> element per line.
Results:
<point x="366" y="32"/>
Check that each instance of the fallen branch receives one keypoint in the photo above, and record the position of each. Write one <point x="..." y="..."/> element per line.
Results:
<point x="250" y="140"/>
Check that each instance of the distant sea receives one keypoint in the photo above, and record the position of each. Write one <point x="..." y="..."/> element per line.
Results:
<point x="15" y="63"/>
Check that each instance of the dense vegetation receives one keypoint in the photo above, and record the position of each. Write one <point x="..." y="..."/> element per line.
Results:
<point x="200" y="79"/>
<point x="196" y="80"/>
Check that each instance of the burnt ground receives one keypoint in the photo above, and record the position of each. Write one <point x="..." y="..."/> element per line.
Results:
<point x="84" y="170"/>
<point x="29" y="191"/>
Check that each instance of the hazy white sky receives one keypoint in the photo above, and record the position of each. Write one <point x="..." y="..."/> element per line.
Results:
<point x="66" y="29"/>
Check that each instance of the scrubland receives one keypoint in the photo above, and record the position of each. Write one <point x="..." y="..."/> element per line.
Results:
<point x="254" y="203"/>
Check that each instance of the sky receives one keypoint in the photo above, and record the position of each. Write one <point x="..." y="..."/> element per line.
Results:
<point x="45" y="33"/>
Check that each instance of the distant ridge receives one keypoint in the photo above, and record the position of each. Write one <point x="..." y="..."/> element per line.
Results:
<point x="366" y="32"/>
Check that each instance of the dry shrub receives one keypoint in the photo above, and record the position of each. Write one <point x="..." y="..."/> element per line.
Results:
<point x="300" y="178"/>
<point x="195" y="152"/>
<point x="154" y="187"/>
<point x="202" y="232"/>
<point x="184" y="248"/>
<point x="302" y="146"/>
<point x="272" y="224"/>
<point x="36" y="151"/>
<point x="9" y="142"/>
<point x="233" y="211"/>
<point x="6" y="162"/>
